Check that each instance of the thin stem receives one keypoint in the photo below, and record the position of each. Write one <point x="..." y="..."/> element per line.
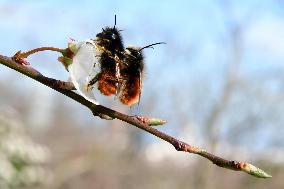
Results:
<point x="30" y="52"/>
<point x="133" y="120"/>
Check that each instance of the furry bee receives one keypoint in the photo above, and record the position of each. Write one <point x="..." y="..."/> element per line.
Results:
<point x="110" y="46"/>
<point x="121" y="70"/>
<point x="132" y="71"/>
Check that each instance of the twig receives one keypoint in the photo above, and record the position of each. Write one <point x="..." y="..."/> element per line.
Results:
<point x="137" y="121"/>
<point x="28" y="53"/>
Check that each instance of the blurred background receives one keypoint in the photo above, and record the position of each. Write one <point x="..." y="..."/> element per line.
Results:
<point x="219" y="82"/>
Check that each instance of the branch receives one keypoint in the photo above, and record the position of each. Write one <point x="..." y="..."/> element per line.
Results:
<point x="137" y="121"/>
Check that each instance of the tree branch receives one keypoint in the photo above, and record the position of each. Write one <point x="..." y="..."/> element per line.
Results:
<point x="137" y="121"/>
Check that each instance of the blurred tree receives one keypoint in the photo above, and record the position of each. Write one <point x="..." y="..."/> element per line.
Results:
<point x="21" y="159"/>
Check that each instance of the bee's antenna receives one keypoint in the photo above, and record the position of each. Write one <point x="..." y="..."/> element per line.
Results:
<point x="148" y="46"/>
<point x="114" y="21"/>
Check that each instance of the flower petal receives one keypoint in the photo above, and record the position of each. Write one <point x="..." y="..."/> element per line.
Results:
<point x="82" y="69"/>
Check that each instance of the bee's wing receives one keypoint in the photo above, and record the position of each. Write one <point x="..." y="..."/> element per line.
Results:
<point x="82" y="69"/>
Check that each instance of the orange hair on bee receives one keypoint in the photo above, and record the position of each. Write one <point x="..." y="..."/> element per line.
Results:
<point x="106" y="84"/>
<point x="131" y="91"/>
<point x="107" y="79"/>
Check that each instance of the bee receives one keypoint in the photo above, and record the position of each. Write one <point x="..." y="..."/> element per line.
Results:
<point x="132" y="71"/>
<point x="121" y="69"/>
<point x="110" y="48"/>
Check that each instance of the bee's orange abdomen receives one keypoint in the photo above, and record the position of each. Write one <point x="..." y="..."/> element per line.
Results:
<point x="130" y="93"/>
<point x="106" y="84"/>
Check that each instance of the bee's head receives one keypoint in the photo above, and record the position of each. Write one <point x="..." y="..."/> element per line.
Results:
<point x="110" y="38"/>
<point x="134" y="55"/>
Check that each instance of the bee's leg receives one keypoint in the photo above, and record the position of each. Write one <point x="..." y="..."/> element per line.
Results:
<point x="117" y="76"/>
<point x="93" y="81"/>
<point x="140" y="86"/>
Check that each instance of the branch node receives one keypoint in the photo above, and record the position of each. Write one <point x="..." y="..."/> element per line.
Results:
<point x="180" y="146"/>
<point x="19" y="59"/>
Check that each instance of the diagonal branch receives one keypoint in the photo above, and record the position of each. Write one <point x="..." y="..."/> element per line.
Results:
<point x="137" y="121"/>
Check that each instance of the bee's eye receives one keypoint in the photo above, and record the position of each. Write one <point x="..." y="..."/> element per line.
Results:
<point x="113" y="36"/>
